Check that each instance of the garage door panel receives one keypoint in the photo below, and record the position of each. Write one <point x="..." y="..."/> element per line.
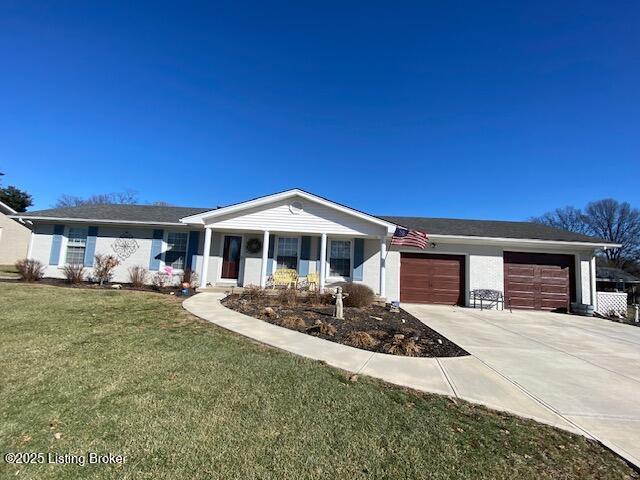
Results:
<point x="553" y="273"/>
<point x="521" y="270"/>
<point x="553" y="289"/>
<point x="431" y="278"/>
<point x="551" y="304"/>
<point x="538" y="281"/>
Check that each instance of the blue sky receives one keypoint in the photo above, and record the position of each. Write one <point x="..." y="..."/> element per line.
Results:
<point x="471" y="110"/>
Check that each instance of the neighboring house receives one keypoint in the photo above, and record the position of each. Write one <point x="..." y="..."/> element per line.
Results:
<point x="14" y="236"/>
<point x="611" y="279"/>
<point x="537" y="267"/>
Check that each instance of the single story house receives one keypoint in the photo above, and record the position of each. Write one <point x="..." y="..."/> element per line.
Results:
<point x="612" y="279"/>
<point x="14" y="236"/>
<point x="536" y="266"/>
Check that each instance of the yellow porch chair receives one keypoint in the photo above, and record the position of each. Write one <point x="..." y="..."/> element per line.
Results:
<point x="313" y="281"/>
<point x="285" y="277"/>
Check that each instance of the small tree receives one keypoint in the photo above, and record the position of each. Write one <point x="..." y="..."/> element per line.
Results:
<point x="17" y="199"/>
<point x="103" y="267"/>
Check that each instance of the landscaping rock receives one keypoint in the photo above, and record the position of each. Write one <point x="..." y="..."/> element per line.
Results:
<point x="269" y="312"/>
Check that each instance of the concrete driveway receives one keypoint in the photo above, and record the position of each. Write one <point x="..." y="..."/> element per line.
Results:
<point x="585" y="370"/>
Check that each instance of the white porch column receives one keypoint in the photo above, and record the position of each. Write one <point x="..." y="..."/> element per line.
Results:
<point x="592" y="273"/>
<point x="205" y="257"/>
<point x="265" y="259"/>
<point x="383" y="260"/>
<point x="323" y="261"/>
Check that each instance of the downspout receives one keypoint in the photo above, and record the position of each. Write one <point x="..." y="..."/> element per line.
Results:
<point x="30" y="248"/>
<point x="592" y="268"/>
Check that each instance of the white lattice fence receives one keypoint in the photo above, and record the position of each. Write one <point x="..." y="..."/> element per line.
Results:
<point x="612" y="302"/>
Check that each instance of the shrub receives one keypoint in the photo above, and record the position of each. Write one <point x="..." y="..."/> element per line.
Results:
<point x="294" y="323"/>
<point x="103" y="267"/>
<point x="326" y="328"/>
<point x="378" y="334"/>
<point x="254" y="292"/>
<point x="30" y="270"/>
<point x="138" y="276"/>
<point x="160" y="280"/>
<point x="317" y="298"/>
<point x="74" y="273"/>
<point x="361" y="340"/>
<point x="287" y="297"/>
<point x="402" y="346"/>
<point x="190" y="277"/>
<point x="359" y="295"/>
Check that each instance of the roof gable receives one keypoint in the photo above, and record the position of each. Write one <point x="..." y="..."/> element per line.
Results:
<point x="277" y="200"/>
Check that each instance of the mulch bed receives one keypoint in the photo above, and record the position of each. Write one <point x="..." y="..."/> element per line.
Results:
<point x="382" y="325"/>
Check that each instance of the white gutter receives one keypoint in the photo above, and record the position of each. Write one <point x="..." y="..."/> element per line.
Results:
<point x="470" y="238"/>
<point x="96" y="220"/>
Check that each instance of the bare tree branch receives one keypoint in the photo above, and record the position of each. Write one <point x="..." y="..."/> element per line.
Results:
<point x="609" y="219"/>
<point x="566" y="218"/>
<point x="128" y="197"/>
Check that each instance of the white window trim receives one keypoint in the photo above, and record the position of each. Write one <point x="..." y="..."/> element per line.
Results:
<point x="328" y="260"/>
<point x="165" y="247"/>
<point x="62" y="259"/>
<point x="275" y="250"/>
<point x="229" y="281"/>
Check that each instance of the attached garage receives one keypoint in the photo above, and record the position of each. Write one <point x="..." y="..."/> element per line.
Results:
<point x="539" y="281"/>
<point x="429" y="278"/>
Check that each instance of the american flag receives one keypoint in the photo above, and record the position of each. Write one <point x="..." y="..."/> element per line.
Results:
<point x="410" y="238"/>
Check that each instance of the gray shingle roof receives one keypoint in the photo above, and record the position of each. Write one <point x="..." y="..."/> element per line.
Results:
<point x="437" y="226"/>
<point x="490" y="228"/>
<point x="124" y="213"/>
<point x="612" y="274"/>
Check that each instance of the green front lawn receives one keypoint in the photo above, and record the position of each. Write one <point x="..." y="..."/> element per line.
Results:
<point x="133" y="374"/>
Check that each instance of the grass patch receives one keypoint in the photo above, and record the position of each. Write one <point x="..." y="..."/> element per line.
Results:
<point x="8" y="269"/>
<point x="132" y="373"/>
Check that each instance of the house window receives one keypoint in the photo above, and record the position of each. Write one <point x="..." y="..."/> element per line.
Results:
<point x="76" y="245"/>
<point x="287" y="256"/>
<point x="176" y="250"/>
<point x="340" y="258"/>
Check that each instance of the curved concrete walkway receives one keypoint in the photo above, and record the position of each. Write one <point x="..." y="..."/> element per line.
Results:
<point x="468" y="378"/>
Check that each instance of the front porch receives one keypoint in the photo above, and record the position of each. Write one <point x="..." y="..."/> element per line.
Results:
<point x="246" y="243"/>
<point x="241" y="258"/>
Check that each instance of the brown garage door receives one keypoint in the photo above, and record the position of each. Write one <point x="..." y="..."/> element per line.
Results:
<point x="432" y="278"/>
<point x="539" y="281"/>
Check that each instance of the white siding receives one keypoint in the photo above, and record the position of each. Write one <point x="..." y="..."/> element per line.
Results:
<point x="107" y="236"/>
<point x="392" y="272"/>
<point x="314" y="218"/>
<point x="371" y="267"/>
<point x="41" y="248"/>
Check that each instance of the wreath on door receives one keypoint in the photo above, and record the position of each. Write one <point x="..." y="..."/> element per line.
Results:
<point x="254" y="245"/>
